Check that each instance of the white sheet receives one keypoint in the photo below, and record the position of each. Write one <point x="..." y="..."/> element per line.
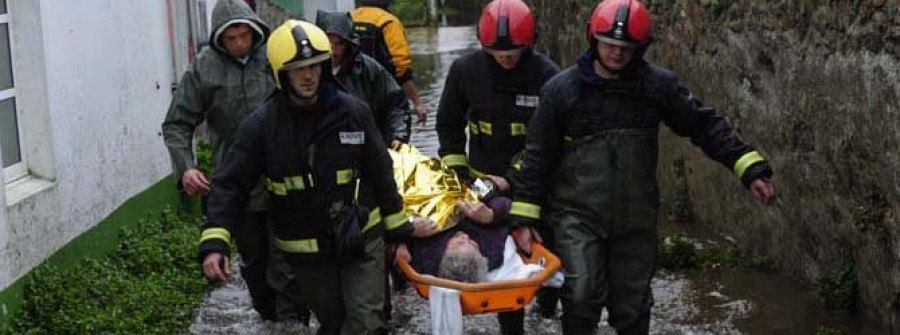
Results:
<point x="514" y="268"/>
<point x="446" y="311"/>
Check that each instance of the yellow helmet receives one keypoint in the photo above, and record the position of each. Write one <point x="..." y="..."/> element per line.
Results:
<point x="296" y="44"/>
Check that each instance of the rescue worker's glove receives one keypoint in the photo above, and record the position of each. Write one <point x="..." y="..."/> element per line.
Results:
<point x="516" y="221"/>
<point x="210" y="246"/>
<point x="756" y="171"/>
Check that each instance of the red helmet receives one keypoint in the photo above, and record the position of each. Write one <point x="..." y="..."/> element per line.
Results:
<point x="620" y="22"/>
<point x="505" y="25"/>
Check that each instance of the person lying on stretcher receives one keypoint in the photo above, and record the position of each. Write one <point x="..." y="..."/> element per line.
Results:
<point x="480" y="247"/>
<point x="469" y="250"/>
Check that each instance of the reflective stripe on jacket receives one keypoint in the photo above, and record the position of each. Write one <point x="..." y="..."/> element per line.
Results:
<point x="577" y="105"/>
<point x="367" y="80"/>
<point x="494" y="104"/>
<point x="311" y="158"/>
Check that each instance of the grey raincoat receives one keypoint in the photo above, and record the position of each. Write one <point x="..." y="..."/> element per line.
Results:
<point x="219" y="89"/>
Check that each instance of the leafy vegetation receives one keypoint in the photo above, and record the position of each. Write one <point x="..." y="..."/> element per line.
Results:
<point x="204" y="157"/>
<point x="151" y="285"/>
<point x="678" y="252"/>
<point x="839" y="292"/>
<point x="411" y="12"/>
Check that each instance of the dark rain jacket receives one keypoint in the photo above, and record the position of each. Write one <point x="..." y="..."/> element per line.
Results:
<point x="311" y="159"/>
<point x="363" y="77"/>
<point x="495" y="104"/>
<point x="366" y="79"/>
<point x="218" y="89"/>
<point x="577" y="107"/>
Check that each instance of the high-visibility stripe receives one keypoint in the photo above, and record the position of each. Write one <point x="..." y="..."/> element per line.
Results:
<point x="568" y="138"/>
<point x="473" y="128"/>
<point x="345" y="176"/>
<point x="525" y="209"/>
<point x="455" y="160"/>
<point x="277" y="188"/>
<point x="746" y="161"/>
<point x="517" y="129"/>
<point x="292" y="183"/>
<point x="305" y="246"/>
<point x="374" y="219"/>
<point x="396" y="220"/>
<point x="216" y="234"/>
<point x="485" y="128"/>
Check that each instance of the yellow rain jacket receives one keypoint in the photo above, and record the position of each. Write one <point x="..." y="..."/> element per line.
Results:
<point x="376" y="23"/>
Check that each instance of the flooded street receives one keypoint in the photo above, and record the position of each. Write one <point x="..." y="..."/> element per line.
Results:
<point x="716" y="301"/>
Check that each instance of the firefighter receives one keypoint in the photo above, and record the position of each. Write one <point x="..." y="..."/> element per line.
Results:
<point x="493" y="92"/>
<point x="331" y="191"/>
<point x="589" y="167"/>
<point x="382" y="36"/>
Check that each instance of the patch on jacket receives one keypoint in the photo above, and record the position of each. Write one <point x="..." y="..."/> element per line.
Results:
<point x="527" y="100"/>
<point x="353" y="137"/>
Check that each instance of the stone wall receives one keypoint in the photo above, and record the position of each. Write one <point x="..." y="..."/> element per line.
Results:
<point x="815" y="85"/>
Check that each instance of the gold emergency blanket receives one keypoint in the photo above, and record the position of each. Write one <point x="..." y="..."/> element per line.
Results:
<point x="428" y="187"/>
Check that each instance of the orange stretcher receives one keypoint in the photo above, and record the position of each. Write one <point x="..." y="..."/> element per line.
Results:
<point x="495" y="296"/>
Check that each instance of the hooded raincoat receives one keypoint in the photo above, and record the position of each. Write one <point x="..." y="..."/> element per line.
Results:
<point x="367" y="80"/>
<point x="223" y="91"/>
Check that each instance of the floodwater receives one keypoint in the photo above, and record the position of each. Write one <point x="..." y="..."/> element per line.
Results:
<point x="715" y="301"/>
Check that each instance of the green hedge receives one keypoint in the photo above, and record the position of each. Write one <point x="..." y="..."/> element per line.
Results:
<point x="679" y="252"/>
<point x="150" y="285"/>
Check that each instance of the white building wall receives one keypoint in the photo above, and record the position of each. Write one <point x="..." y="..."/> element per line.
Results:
<point x="310" y="7"/>
<point x="104" y="72"/>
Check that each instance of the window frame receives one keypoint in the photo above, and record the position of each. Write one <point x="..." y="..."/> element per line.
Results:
<point x="20" y="169"/>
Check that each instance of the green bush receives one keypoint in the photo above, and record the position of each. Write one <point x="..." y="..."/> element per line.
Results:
<point x="204" y="157"/>
<point x="678" y="252"/>
<point x="151" y="285"/>
<point x="411" y="12"/>
<point x="839" y="292"/>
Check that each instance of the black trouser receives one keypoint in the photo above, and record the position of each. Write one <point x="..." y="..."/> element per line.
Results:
<point x="347" y="299"/>
<point x="512" y="323"/>
<point x="252" y="239"/>
<point x="604" y="210"/>
<point x="612" y="272"/>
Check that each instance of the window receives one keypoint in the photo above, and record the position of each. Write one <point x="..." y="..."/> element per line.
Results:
<point x="11" y="153"/>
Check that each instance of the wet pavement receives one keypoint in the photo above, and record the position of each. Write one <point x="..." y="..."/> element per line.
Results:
<point x="714" y="301"/>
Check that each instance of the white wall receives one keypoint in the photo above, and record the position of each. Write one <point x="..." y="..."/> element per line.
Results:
<point x="310" y="7"/>
<point x="101" y="71"/>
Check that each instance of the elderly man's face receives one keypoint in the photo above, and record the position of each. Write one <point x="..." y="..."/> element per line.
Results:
<point x="462" y="243"/>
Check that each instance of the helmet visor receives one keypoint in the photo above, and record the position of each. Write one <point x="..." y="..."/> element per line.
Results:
<point x="614" y="41"/>
<point x="517" y="51"/>
<point x="306" y="62"/>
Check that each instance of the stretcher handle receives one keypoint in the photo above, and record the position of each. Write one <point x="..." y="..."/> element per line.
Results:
<point x="551" y="265"/>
